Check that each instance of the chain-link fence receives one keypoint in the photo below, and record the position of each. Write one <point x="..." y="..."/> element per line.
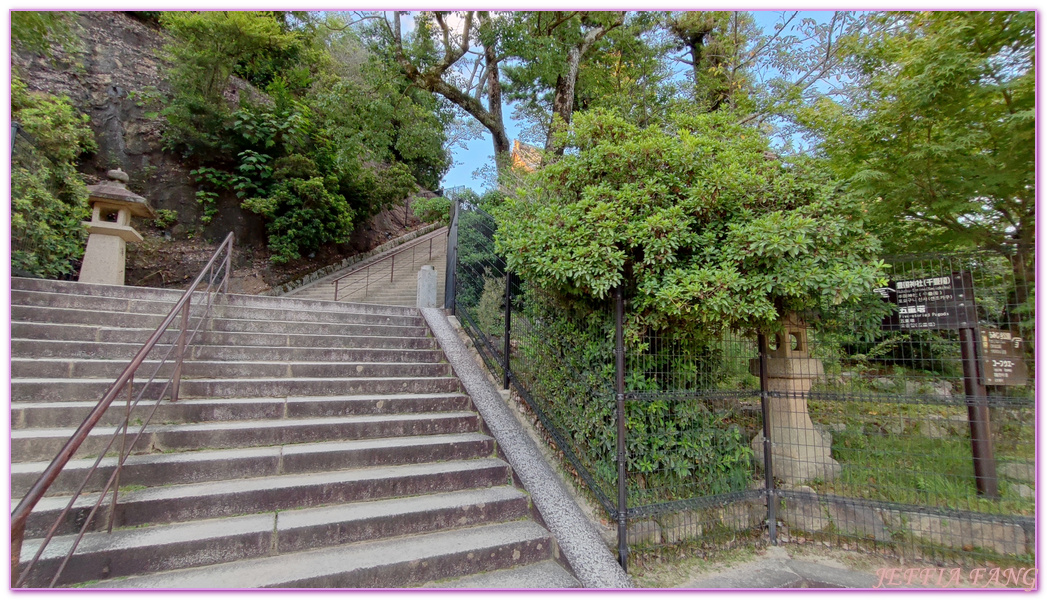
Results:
<point x="905" y="426"/>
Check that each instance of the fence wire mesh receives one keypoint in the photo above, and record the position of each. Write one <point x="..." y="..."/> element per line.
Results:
<point x="885" y="433"/>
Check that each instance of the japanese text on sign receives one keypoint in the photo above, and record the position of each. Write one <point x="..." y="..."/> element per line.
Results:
<point x="945" y="302"/>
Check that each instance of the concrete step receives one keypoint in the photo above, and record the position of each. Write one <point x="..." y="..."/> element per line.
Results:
<point x="65" y="390"/>
<point x="44" y="444"/>
<point x="112" y="304"/>
<point x="179" y="503"/>
<point x="276" y="319"/>
<point x="172" y="295"/>
<point x="350" y="329"/>
<point x="111" y="369"/>
<point x="400" y="562"/>
<point x="35" y="348"/>
<point x="95" y="289"/>
<point x="303" y="340"/>
<point x="86" y="333"/>
<point x="185" y="545"/>
<point x="285" y="303"/>
<point x="51" y="415"/>
<point x="122" y="335"/>
<point x="152" y="470"/>
<point x="547" y="574"/>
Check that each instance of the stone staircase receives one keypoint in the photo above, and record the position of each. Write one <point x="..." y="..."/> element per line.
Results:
<point x="385" y="280"/>
<point x="315" y="444"/>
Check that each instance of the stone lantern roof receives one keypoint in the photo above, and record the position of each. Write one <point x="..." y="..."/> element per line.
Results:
<point x="114" y="193"/>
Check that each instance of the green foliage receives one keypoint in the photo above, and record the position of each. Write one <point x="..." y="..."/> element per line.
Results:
<point x="303" y="214"/>
<point x="476" y="256"/>
<point x="37" y="31"/>
<point x="691" y="218"/>
<point x="48" y="198"/>
<point x="432" y="210"/>
<point x="215" y="181"/>
<point x="677" y="448"/>
<point x="939" y="138"/>
<point x="309" y="138"/>
<point x="490" y="309"/>
<point x="165" y="218"/>
<point x="714" y="42"/>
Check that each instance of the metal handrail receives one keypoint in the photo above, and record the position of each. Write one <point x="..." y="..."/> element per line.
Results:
<point x="365" y="271"/>
<point x="21" y="513"/>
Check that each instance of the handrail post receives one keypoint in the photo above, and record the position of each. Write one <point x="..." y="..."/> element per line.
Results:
<point x="392" y="267"/>
<point x="123" y="451"/>
<point x="336" y="289"/>
<point x="181" y="352"/>
<point x="228" y="265"/>
<point x="17" y="535"/>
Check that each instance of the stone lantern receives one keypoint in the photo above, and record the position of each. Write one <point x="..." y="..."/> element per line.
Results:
<point x="106" y="254"/>
<point x="799" y="453"/>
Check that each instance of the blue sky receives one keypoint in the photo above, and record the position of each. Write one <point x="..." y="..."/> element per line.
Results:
<point x="478" y="152"/>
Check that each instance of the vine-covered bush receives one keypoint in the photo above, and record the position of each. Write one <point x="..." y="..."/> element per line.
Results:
<point x="48" y="197"/>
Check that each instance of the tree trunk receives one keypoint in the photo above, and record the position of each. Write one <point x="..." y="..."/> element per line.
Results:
<point x="563" y="101"/>
<point x="563" y="98"/>
<point x="494" y="103"/>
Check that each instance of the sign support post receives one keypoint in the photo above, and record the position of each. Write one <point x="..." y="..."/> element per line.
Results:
<point x="978" y="416"/>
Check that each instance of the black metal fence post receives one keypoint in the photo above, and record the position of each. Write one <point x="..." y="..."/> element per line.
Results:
<point x="451" y="270"/>
<point x="508" y="329"/>
<point x="619" y="351"/>
<point x="768" y="466"/>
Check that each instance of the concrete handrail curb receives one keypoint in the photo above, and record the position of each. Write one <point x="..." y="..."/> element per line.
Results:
<point x="584" y="549"/>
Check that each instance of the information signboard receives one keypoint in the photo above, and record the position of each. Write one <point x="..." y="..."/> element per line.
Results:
<point x="943" y="302"/>
<point x="1003" y="358"/>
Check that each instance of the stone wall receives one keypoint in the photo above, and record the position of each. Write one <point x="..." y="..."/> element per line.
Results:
<point x="803" y="511"/>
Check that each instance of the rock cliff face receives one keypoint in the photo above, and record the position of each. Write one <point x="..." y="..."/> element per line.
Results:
<point x="116" y="77"/>
<point x="112" y="78"/>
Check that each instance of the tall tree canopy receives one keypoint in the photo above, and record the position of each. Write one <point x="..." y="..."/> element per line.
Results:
<point x="938" y="139"/>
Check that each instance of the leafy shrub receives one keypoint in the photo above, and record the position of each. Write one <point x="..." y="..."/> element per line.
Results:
<point x="432" y="210"/>
<point x="311" y="150"/>
<point x="302" y="214"/>
<point x="48" y="197"/>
